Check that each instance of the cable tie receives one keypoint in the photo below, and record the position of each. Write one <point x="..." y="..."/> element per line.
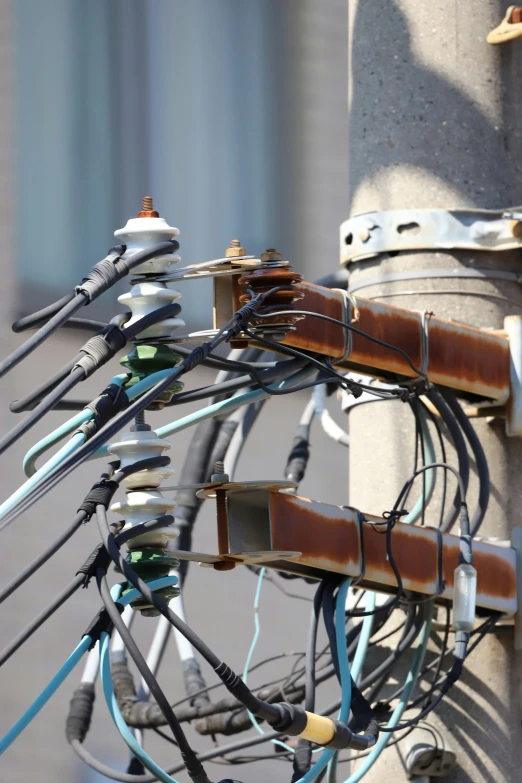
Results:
<point x="110" y="402"/>
<point x="99" y="558"/>
<point x="101" y="623"/>
<point x="99" y="494"/>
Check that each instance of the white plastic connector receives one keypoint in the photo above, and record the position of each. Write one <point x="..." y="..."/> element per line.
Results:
<point x="147" y="297"/>
<point x="141" y="233"/>
<point x="464" y="597"/>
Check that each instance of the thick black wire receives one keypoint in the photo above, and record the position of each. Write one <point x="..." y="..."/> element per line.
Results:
<point x="462" y="455"/>
<point x="480" y="460"/>
<point x="42" y="408"/>
<point x="41" y="316"/>
<point x="43" y="557"/>
<point x="40" y="619"/>
<point x="438" y="430"/>
<point x="43" y="333"/>
<point x="29" y="402"/>
<point x="194" y="767"/>
<point x="303" y="755"/>
<point x="353" y="329"/>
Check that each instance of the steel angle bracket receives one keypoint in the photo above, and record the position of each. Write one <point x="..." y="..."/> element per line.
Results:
<point x="288" y="533"/>
<point x="368" y="235"/>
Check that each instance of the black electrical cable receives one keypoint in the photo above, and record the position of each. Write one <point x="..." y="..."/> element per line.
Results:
<point x="29" y="402"/>
<point x="350" y="328"/>
<point x="194" y="767"/>
<point x="462" y="455"/>
<point x="303" y="754"/>
<point x="480" y="459"/>
<point x="438" y="430"/>
<point x="38" y="318"/>
<point x="40" y="619"/>
<point x="117" y="422"/>
<point x="43" y="557"/>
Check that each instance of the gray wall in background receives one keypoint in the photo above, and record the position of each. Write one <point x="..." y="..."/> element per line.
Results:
<point x="232" y="114"/>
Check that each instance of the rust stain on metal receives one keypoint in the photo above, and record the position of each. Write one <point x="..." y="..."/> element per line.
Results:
<point x="328" y="538"/>
<point x="325" y="540"/>
<point x="468" y="358"/>
<point x="222" y="521"/>
<point x="315" y="334"/>
<point x="393" y="325"/>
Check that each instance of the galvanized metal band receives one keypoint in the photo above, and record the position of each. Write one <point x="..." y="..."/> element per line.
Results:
<point x="368" y="235"/>
<point x="443" y="274"/>
<point x="348" y="303"/>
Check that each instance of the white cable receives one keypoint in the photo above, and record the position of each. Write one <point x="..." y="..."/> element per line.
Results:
<point x="330" y="427"/>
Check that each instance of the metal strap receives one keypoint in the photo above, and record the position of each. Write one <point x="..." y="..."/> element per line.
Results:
<point x="368" y="235"/>
<point x="430" y="274"/>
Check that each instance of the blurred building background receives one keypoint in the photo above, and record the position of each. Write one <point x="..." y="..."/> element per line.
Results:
<point x="233" y="115"/>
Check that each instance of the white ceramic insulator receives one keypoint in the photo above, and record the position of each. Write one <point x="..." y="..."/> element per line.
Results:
<point x="144" y="502"/>
<point x="141" y="233"/>
<point x="147" y="297"/>
<point x="140" y="506"/>
<point x="141" y="444"/>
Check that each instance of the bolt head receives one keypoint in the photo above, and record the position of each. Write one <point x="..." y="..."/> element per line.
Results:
<point x="271" y="255"/>
<point x="235" y="249"/>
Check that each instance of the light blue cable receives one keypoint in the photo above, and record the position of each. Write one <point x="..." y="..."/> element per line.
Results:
<point x="46" y="694"/>
<point x="430" y="475"/>
<point x="248" y="661"/>
<point x="346" y="680"/>
<point x="71" y="445"/>
<point x="108" y="690"/>
<point x="29" y="463"/>
<point x="218" y="408"/>
<point x="358" y="661"/>
<point x="403" y="701"/>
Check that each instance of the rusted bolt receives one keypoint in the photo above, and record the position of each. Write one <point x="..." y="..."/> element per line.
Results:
<point x="235" y="249"/>
<point x="219" y="476"/>
<point x="271" y="256"/>
<point x="516" y="15"/>
<point x="146" y="208"/>
<point x="224" y="565"/>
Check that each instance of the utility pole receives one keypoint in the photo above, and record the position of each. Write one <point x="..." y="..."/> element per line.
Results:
<point x="436" y="122"/>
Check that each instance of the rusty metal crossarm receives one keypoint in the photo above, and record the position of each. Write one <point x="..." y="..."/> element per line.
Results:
<point x="267" y="526"/>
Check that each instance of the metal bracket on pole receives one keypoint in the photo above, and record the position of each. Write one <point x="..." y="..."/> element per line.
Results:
<point x="368" y="235"/>
<point x="516" y="544"/>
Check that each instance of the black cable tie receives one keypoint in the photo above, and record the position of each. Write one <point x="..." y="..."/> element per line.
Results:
<point x="100" y="348"/>
<point x="99" y="494"/>
<point x="110" y="402"/>
<point x="100" y="623"/>
<point x="99" y="558"/>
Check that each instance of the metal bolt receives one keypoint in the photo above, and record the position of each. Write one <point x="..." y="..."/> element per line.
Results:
<point x="219" y="476"/>
<point x="235" y="249"/>
<point x="516" y="15"/>
<point x="271" y="256"/>
<point x="147" y="210"/>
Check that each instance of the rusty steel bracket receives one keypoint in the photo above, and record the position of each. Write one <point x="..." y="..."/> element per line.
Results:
<point x="369" y="235"/>
<point x="267" y="526"/>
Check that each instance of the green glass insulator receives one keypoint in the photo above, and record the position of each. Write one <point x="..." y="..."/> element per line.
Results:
<point x="150" y="563"/>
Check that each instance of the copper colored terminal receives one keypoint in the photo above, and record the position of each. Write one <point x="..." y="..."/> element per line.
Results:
<point x="263" y="279"/>
<point x="146" y="208"/>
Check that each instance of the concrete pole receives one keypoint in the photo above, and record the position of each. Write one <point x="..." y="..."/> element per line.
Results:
<point x="436" y="121"/>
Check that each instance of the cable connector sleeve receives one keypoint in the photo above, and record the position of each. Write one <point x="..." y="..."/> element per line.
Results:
<point x="99" y="558"/>
<point x="345" y="738"/>
<point x="297" y="459"/>
<point x="99" y="494"/>
<point x="80" y="712"/>
<point x="111" y="401"/>
<point x="101" y="622"/>
<point x="100" y="348"/>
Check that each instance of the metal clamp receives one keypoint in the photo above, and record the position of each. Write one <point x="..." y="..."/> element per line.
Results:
<point x="509" y="28"/>
<point x="369" y="235"/>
